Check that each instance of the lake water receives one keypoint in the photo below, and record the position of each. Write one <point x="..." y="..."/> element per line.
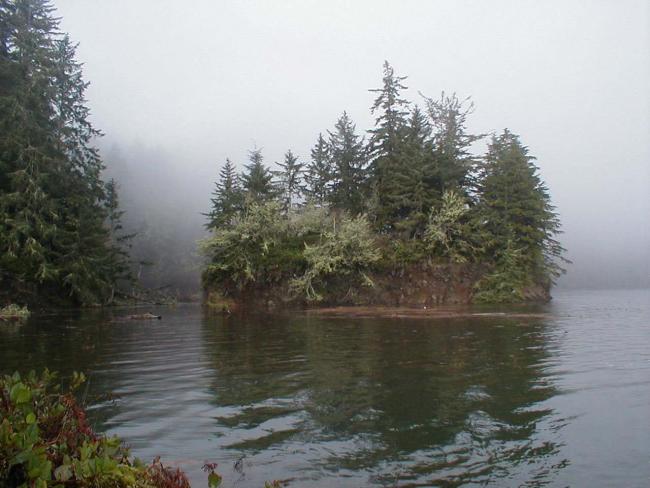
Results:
<point x="561" y="399"/>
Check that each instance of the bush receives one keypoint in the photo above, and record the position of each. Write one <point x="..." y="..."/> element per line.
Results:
<point x="45" y="441"/>
<point x="346" y="251"/>
<point x="450" y="232"/>
<point x="507" y="281"/>
<point x="14" y="312"/>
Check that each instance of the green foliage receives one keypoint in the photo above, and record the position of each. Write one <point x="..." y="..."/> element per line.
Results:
<point x="515" y="206"/>
<point x="45" y="440"/>
<point x="227" y="197"/>
<point x="261" y="246"/>
<point x="451" y="233"/>
<point x="14" y="312"/>
<point x="318" y="174"/>
<point x="348" y="158"/>
<point x="54" y="237"/>
<point x="508" y="279"/>
<point x="452" y="165"/>
<point x="257" y="180"/>
<point x="290" y="176"/>
<point x="387" y="144"/>
<point x="346" y="251"/>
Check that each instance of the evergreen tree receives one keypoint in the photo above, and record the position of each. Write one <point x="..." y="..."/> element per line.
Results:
<point x="416" y="197"/>
<point x="318" y="174"/>
<point x="227" y="197"/>
<point x="120" y="243"/>
<point x="453" y="165"/>
<point x="388" y="165"/>
<point x="290" y="176"/>
<point x="516" y="209"/>
<point x="348" y="166"/>
<point x="53" y="239"/>
<point x="257" y="180"/>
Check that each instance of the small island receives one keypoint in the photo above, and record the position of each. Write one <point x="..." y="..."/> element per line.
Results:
<point x="407" y="217"/>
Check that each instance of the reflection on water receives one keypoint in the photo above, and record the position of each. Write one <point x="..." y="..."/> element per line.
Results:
<point x="358" y="402"/>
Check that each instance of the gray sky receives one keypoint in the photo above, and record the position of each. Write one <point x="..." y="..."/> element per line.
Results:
<point x="202" y="80"/>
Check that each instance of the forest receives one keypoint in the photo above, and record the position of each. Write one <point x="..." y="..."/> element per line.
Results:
<point x="405" y="213"/>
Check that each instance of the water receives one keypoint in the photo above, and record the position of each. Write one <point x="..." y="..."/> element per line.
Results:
<point x="557" y="400"/>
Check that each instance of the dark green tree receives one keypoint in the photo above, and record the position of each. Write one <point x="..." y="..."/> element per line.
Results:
<point x="318" y="174"/>
<point x="411" y="190"/>
<point x="54" y="241"/>
<point x="516" y="210"/>
<point x="388" y="164"/>
<point x="120" y="266"/>
<point x="257" y="179"/>
<point x="290" y="179"/>
<point x="227" y="198"/>
<point x="453" y="165"/>
<point x="349" y="164"/>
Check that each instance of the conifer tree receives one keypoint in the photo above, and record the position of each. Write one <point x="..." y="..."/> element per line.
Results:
<point x="417" y="153"/>
<point x="227" y="197"/>
<point x="388" y="165"/>
<point x="120" y="242"/>
<point x="348" y="166"/>
<point x="318" y="174"/>
<point x="257" y="180"/>
<point x="453" y="165"/>
<point x="290" y="179"/>
<point x="516" y="209"/>
<point x="54" y="243"/>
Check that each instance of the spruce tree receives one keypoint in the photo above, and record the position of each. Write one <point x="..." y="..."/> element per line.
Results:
<point x="120" y="242"/>
<point x="453" y="165"/>
<point x="227" y="197"/>
<point x="318" y="174"/>
<point x="290" y="179"/>
<point x="516" y="209"/>
<point x="416" y="198"/>
<point x="257" y="180"/>
<point x="54" y="241"/>
<point x="348" y="167"/>
<point x="388" y="165"/>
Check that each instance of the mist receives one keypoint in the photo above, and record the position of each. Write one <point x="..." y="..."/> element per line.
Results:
<point x="178" y="87"/>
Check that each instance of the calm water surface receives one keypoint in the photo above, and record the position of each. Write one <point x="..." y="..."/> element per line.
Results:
<point x="562" y="400"/>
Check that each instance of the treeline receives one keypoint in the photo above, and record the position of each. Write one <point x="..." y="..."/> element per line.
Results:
<point x="61" y="237"/>
<point x="411" y="191"/>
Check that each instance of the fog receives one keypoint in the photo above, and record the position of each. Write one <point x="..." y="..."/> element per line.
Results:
<point x="179" y="86"/>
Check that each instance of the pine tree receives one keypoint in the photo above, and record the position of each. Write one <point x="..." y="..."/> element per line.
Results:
<point x="290" y="179"/>
<point x="227" y="197"/>
<point x="416" y="198"/>
<point x="348" y="167"/>
<point x="453" y="165"/>
<point x="119" y="261"/>
<point x="318" y="174"/>
<point x="257" y="180"/>
<point x="516" y="209"/>
<point x="388" y="165"/>
<point x="54" y="242"/>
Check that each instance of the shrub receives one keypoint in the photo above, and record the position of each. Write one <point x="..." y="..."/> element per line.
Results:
<point x="450" y="232"/>
<point x="45" y="441"/>
<point x="14" y="312"/>
<point x="346" y="251"/>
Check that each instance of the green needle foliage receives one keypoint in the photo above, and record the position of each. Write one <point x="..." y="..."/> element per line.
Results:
<point x="57" y="239"/>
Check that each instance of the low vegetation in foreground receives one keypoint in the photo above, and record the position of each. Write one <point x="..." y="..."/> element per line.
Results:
<point x="408" y="216"/>
<point x="13" y="312"/>
<point x="46" y="441"/>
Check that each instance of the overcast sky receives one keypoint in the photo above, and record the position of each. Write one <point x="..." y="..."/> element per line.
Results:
<point x="200" y="81"/>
